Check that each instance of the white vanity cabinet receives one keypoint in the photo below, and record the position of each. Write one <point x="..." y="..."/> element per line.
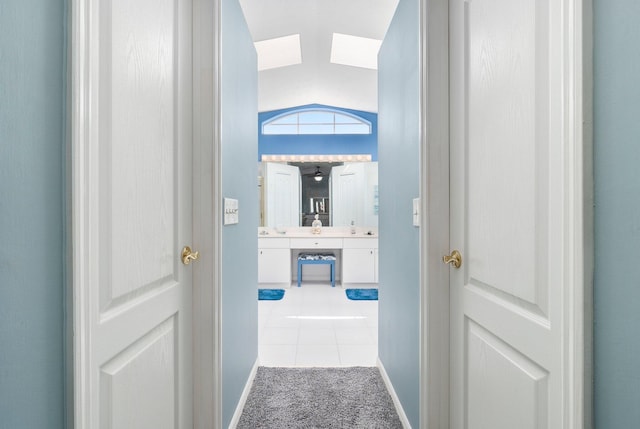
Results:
<point x="357" y="257"/>
<point x="359" y="263"/>
<point x="274" y="260"/>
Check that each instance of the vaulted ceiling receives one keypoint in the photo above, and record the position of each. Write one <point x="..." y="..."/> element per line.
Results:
<point x="316" y="79"/>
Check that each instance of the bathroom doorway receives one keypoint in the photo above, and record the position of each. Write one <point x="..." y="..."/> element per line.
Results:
<point x="327" y="82"/>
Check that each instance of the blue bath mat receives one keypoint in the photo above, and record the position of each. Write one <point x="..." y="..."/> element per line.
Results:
<point x="362" y="294"/>
<point x="270" y="294"/>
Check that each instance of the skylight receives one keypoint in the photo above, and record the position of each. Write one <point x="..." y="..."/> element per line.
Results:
<point x="355" y="51"/>
<point x="279" y="52"/>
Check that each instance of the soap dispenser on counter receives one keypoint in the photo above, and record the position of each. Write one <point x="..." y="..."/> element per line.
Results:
<point x="353" y="228"/>
<point x="316" y="225"/>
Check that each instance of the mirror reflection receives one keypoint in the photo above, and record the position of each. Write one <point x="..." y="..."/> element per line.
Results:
<point x="340" y="193"/>
<point x="315" y="196"/>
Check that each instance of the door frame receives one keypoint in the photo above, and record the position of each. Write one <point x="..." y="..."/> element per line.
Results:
<point x="434" y="214"/>
<point x="207" y="212"/>
<point x="208" y="215"/>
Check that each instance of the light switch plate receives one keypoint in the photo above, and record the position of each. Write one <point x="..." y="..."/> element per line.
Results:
<point x="230" y="211"/>
<point x="416" y="212"/>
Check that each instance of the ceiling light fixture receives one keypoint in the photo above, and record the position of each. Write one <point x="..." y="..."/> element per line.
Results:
<point x="318" y="175"/>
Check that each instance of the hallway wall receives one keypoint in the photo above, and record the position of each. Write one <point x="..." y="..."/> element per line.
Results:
<point x="32" y="114"/>
<point x="617" y="213"/>
<point x="399" y="154"/>
<point x="239" y="95"/>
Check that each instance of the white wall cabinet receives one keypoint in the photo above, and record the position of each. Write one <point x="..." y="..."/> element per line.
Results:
<point x="274" y="261"/>
<point x="359" y="260"/>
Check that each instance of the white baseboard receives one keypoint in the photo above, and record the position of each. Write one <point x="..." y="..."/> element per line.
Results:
<point x="396" y="401"/>
<point x="244" y="396"/>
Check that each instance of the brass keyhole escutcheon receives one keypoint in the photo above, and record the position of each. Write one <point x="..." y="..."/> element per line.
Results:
<point x="454" y="259"/>
<point x="188" y="256"/>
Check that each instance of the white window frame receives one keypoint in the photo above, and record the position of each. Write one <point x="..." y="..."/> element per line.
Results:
<point x="357" y="120"/>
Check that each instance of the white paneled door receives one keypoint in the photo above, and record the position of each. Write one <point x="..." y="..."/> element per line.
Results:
<point x="282" y="197"/>
<point x="348" y="194"/>
<point x="133" y="215"/>
<point x="509" y="221"/>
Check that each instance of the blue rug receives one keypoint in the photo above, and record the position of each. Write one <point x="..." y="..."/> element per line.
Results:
<point x="362" y="294"/>
<point x="270" y="294"/>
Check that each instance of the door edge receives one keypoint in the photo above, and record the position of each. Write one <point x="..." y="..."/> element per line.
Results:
<point x="434" y="213"/>
<point x="207" y="197"/>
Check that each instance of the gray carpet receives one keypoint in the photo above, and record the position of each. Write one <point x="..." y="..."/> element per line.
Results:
<point x="318" y="398"/>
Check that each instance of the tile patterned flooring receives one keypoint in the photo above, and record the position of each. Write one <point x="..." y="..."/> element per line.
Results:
<point x="317" y="325"/>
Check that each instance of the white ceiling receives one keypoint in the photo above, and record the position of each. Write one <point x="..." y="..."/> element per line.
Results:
<point x="316" y="79"/>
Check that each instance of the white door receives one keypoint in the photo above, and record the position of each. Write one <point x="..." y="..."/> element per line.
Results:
<point x="133" y="215"/>
<point x="347" y="192"/>
<point x="370" y="194"/>
<point x="508" y="220"/>
<point x="282" y="196"/>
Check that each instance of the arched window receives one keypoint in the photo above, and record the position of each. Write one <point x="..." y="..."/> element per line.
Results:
<point x="316" y="121"/>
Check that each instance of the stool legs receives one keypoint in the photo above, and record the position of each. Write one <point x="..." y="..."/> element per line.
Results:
<point x="333" y="274"/>
<point x="332" y="265"/>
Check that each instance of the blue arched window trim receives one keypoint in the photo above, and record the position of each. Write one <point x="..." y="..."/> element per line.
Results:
<point x="316" y="121"/>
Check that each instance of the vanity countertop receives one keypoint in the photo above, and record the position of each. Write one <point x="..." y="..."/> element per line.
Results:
<point x="328" y="232"/>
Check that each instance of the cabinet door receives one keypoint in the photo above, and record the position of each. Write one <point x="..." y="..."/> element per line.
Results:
<point x="358" y="266"/>
<point x="316" y="243"/>
<point x="274" y="266"/>
<point x="375" y="267"/>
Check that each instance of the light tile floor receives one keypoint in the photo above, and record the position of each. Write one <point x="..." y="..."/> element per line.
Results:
<point x="317" y="325"/>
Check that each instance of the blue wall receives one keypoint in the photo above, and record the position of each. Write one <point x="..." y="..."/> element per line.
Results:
<point x="319" y="144"/>
<point x="399" y="151"/>
<point x="239" y="175"/>
<point x="617" y="213"/>
<point x="32" y="107"/>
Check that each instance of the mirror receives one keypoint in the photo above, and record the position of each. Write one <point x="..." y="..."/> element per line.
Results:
<point x="315" y="195"/>
<point x="292" y="193"/>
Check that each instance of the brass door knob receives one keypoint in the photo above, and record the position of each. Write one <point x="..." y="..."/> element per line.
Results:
<point x="188" y="256"/>
<point x="454" y="259"/>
